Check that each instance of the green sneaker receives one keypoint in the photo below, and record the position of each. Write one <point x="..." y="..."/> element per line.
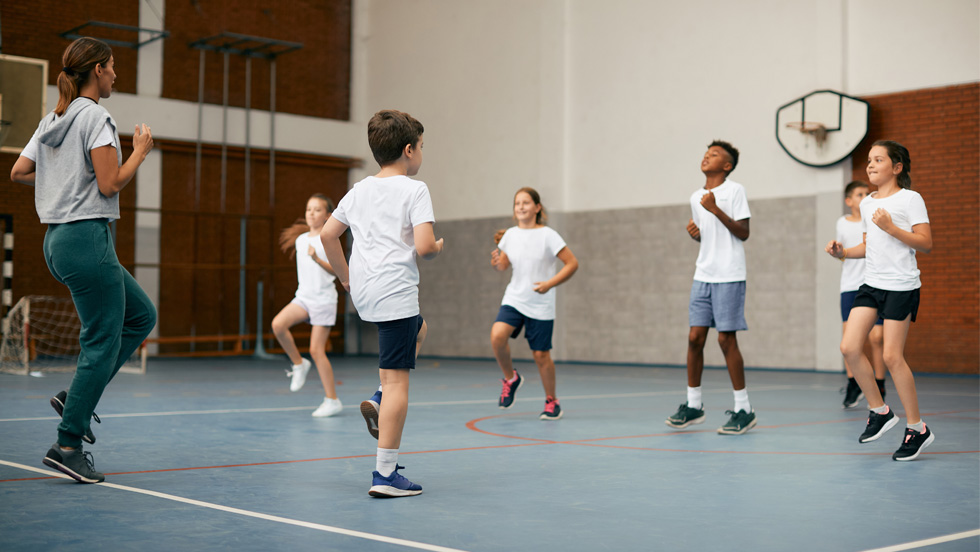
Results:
<point x="739" y="423"/>
<point x="685" y="416"/>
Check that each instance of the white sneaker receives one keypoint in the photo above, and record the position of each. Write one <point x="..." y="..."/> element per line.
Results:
<point x="328" y="408"/>
<point x="298" y="374"/>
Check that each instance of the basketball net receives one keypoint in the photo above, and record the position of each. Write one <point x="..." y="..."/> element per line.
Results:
<point x="817" y="130"/>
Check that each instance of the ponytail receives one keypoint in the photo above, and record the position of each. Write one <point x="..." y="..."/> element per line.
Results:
<point x="78" y="61"/>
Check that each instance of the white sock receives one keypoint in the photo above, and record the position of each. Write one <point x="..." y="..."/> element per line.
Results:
<point x="920" y="427"/>
<point x="379" y="387"/>
<point x="881" y="409"/>
<point x="742" y="400"/>
<point x="694" y="397"/>
<point x="513" y="379"/>
<point x="387" y="461"/>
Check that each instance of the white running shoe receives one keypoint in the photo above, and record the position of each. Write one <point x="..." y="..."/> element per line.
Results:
<point x="298" y="374"/>
<point x="329" y="407"/>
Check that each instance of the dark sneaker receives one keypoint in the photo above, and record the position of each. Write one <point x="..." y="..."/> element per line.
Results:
<point x="552" y="410"/>
<point x="878" y="424"/>
<point x="913" y="444"/>
<point x="369" y="409"/>
<point x="685" y="416"/>
<point x="853" y="395"/>
<point x="739" y="423"/>
<point x="58" y="403"/>
<point x="509" y="390"/>
<point x="393" y="486"/>
<point x="75" y="463"/>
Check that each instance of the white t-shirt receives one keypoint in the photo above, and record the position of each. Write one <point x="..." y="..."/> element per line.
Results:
<point x="533" y="255"/>
<point x="722" y="255"/>
<point x="316" y="285"/>
<point x="105" y="138"/>
<point x="850" y="234"/>
<point x="382" y="214"/>
<point x="889" y="263"/>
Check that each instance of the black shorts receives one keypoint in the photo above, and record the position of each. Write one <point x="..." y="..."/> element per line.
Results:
<point x="396" y="342"/>
<point x="891" y="305"/>
<point x="847" y="302"/>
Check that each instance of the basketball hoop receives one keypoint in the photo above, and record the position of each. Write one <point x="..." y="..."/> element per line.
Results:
<point x="817" y="130"/>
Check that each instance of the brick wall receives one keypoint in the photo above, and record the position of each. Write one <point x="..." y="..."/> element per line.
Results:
<point x="941" y="129"/>
<point x="313" y="81"/>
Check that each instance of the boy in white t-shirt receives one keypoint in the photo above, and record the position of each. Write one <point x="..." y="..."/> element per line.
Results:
<point x="851" y="233"/>
<point x="390" y="216"/>
<point x="720" y="222"/>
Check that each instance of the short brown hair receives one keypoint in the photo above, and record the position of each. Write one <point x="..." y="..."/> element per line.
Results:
<point x="389" y="131"/>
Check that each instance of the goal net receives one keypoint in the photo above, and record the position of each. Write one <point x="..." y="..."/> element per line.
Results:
<point x="41" y="334"/>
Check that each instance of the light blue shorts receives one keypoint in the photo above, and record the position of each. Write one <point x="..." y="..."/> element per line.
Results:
<point x="719" y="306"/>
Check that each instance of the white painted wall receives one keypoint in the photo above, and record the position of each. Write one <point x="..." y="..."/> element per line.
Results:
<point x="605" y="105"/>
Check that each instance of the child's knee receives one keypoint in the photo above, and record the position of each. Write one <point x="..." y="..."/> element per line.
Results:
<point x="727" y="341"/>
<point x="542" y="357"/>
<point x="696" y="339"/>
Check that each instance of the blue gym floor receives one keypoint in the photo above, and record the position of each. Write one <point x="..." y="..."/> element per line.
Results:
<point x="219" y="455"/>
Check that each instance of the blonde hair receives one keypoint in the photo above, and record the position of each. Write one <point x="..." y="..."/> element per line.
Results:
<point x="287" y="238"/>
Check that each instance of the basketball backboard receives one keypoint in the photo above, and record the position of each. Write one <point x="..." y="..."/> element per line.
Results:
<point x="23" y="99"/>
<point x="822" y="128"/>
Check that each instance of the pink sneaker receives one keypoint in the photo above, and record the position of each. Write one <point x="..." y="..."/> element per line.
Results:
<point x="552" y="410"/>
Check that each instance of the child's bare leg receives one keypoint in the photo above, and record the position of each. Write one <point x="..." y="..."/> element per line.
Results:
<point x="420" y="338"/>
<point x="500" y="341"/>
<point x="859" y="324"/>
<point x="847" y="367"/>
<point x="318" y="350"/>
<point x="289" y="316"/>
<point x="895" y="333"/>
<point x="546" y="367"/>
<point x="391" y="418"/>
<point x="876" y="346"/>
<point x="695" y="354"/>
<point x="733" y="359"/>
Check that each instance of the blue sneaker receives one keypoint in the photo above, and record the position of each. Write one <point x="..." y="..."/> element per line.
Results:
<point x="393" y="486"/>
<point x="369" y="409"/>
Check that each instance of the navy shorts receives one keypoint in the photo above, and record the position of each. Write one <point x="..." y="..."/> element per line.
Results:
<point x="538" y="332"/>
<point x="846" y="303"/>
<point x="891" y="305"/>
<point x="396" y="342"/>
<point x="720" y="306"/>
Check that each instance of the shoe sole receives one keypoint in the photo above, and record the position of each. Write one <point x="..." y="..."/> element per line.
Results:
<point x="59" y="407"/>
<point x="888" y="425"/>
<point x="513" y="395"/>
<point x="52" y="463"/>
<point x="929" y="440"/>
<point x="386" y="491"/>
<point x="857" y="401"/>
<point x="723" y="431"/>
<point x="547" y="418"/>
<point x="369" y="409"/>
<point x="685" y="424"/>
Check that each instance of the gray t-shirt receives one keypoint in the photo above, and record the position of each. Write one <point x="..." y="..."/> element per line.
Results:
<point x="65" y="187"/>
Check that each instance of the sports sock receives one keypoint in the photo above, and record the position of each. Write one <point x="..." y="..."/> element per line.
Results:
<point x="387" y="461"/>
<point x="920" y="427"/>
<point x="694" y="397"/>
<point x="742" y="400"/>
<point x="880" y="410"/>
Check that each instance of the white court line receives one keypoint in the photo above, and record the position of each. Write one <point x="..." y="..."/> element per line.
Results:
<point x="928" y="542"/>
<point x="430" y="403"/>
<point x="248" y="513"/>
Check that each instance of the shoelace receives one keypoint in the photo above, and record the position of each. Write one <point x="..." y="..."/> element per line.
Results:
<point x="505" y="392"/>
<point x="89" y="459"/>
<point x="549" y="406"/>
<point x="96" y="418"/>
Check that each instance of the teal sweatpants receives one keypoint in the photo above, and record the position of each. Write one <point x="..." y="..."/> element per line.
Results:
<point x="115" y="313"/>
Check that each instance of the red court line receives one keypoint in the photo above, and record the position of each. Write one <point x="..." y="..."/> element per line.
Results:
<point x="590" y="442"/>
<point x="284" y="461"/>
